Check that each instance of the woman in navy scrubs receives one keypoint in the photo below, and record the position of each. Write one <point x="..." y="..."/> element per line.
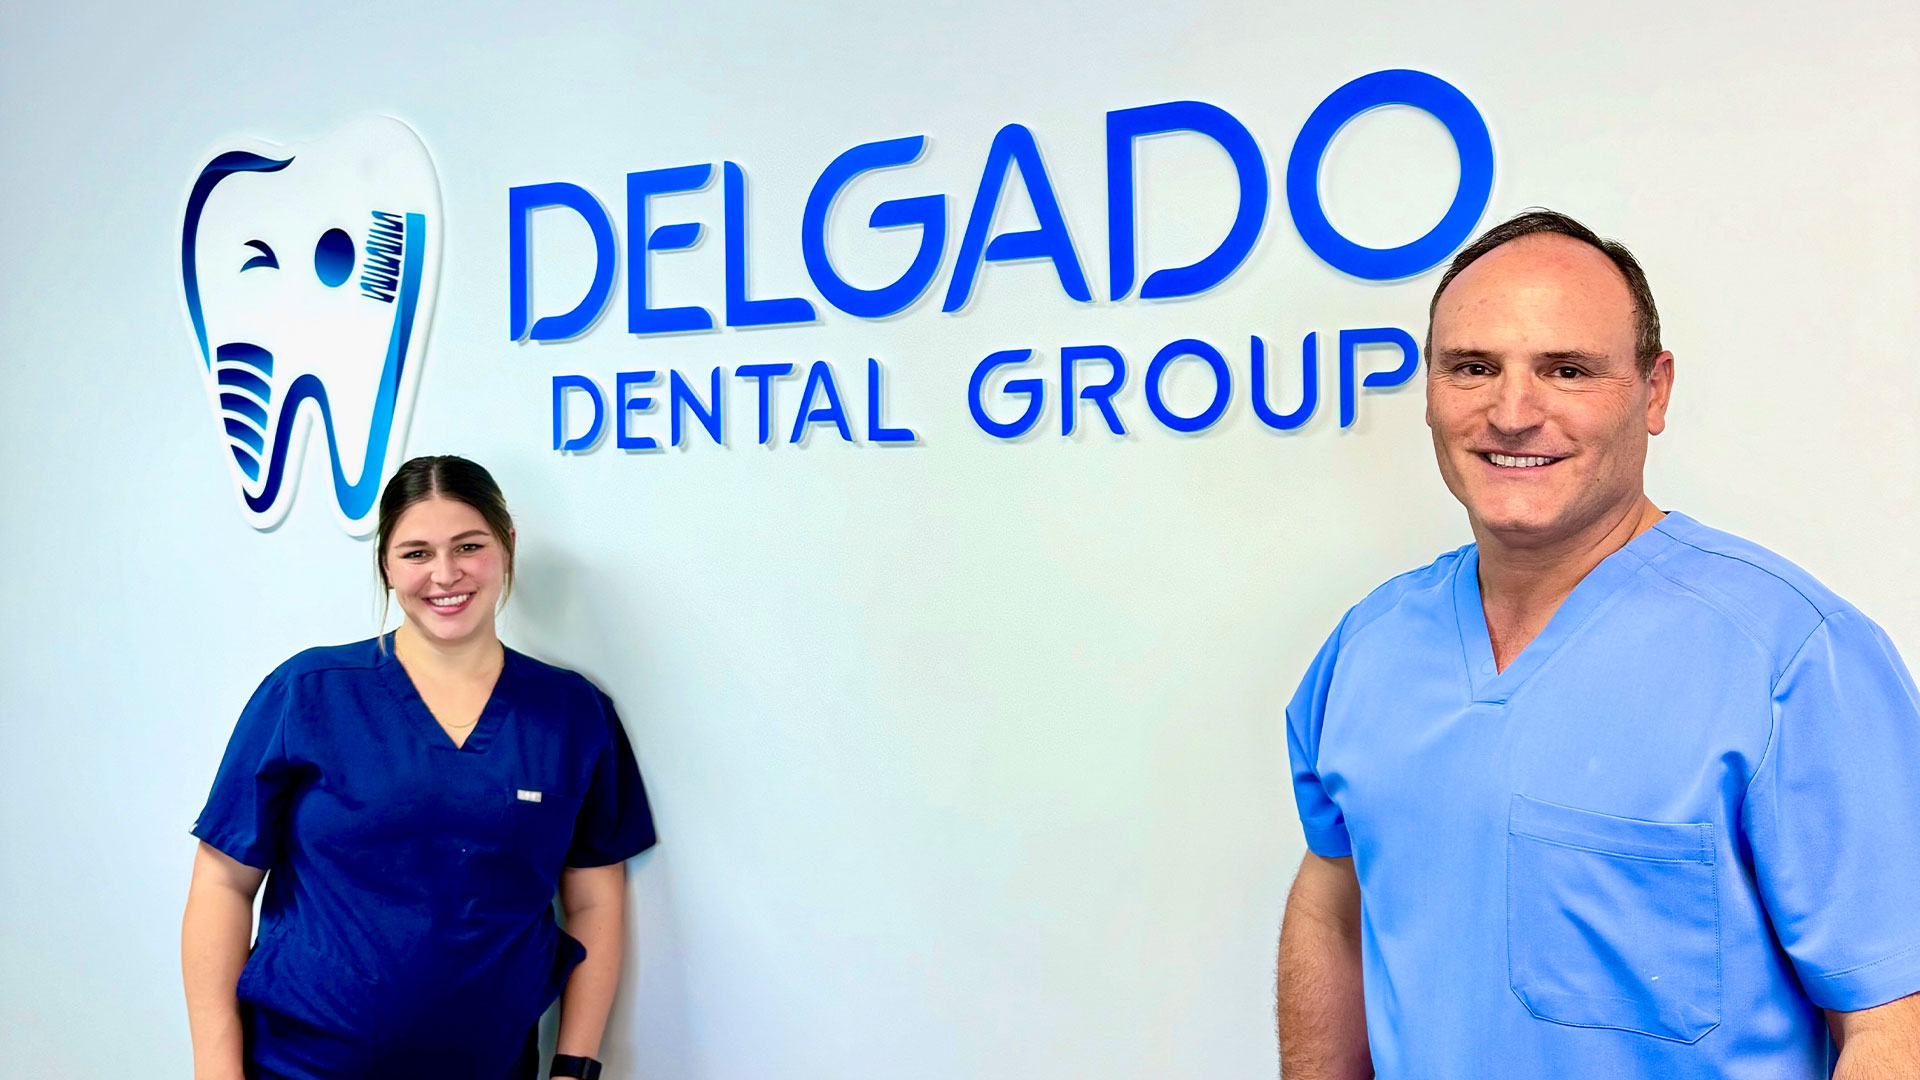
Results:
<point x="413" y="804"/>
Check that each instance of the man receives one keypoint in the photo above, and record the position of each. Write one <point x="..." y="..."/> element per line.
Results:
<point x="1606" y="793"/>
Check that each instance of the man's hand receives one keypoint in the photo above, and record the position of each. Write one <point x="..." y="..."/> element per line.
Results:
<point x="1882" y="1043"/>
<point x="1321" y="1012"/>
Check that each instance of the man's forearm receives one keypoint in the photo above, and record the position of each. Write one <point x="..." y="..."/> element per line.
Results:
<point x="1879" y="1044"/>
<point x="1865" y="1060"/>
<point x="1321" y="1010"/>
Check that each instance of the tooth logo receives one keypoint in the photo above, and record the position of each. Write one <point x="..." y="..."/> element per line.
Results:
<point x="309" y="274"/>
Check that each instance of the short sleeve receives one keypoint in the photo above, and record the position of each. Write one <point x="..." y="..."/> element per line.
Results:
<point x="1832" y="816"/>
<point x="615" y="822"/>
<point x="1321" y="820"/>
<point x="246" y="810"/>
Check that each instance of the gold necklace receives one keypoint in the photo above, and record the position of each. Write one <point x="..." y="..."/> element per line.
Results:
<point x="436" y="716"/>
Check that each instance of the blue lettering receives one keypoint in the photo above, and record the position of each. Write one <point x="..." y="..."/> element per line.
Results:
<point x="740" y="310"/>
<point x="876" y="430"/>
<point x="1101" y="395"/>
<point x="561" y="384"/>
<point x="1309" y="385"/>
<point x="820" y="377"/>
<point x="929" y="212"/>
<point x="521" y="203"/>
<point x="1014" y="145"/>
<point x="1126" y="125"/>
<point x="764" y="374"/>
<point x="622" y="382"/>
<point x="1222" y="385"/>
<point x="681" y="394"/>
<point x="1470" y="140"/>
<point x="1351" y="340"/>
<point x="1034" y="389"/>
<point x="641" y="186"/>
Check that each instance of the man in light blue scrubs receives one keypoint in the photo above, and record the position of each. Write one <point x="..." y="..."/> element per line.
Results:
<point x="1608" y="792"/>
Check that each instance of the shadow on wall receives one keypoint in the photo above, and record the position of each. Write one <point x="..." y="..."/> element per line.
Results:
<point x="560" y="613"/>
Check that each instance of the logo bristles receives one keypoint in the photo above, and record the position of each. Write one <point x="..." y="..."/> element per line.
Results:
<point x="380" y="268"/>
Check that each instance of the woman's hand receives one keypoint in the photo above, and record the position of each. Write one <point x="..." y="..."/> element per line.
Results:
<point x="215" y="935"/>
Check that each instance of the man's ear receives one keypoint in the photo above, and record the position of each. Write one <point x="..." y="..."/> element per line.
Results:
<point x="1662" y="379"/>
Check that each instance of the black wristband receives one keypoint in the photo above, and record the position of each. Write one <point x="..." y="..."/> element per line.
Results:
<point x="585" y="1068"/>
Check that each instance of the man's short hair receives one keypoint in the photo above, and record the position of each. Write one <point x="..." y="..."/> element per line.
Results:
<point x="1646" y="318"/>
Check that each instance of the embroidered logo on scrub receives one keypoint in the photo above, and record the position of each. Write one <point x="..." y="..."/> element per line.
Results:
<point x="309" y="273"/>
<point x="527" y="796"/>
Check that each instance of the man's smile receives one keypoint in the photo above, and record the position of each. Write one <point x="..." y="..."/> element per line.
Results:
<point x="1510" y="461"/>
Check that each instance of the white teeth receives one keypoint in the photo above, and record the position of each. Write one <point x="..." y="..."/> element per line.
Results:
<point x="1507" y="462"/>
<point x="450" y="601"/>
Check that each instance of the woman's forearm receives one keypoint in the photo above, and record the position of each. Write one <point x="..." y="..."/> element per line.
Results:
<point x="214" y="937"/>
<point x="595" y="901"/>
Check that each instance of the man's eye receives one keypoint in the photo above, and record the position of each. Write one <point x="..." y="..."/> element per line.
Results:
<point x="1474" y="369"/>
<point x="1566" y="371"/>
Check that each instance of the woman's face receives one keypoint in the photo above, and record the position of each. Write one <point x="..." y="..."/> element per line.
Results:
<point x="446" y="568"/>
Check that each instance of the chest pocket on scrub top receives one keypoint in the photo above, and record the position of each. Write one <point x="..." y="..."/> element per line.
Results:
<point x="1613" y="922"/>
<point x="539" y="830"/>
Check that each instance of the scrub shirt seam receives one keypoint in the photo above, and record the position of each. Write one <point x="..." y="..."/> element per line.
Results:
<point x="1773" y="718"/>
<point x="297" y="680"/>
<point x="1775" y="575"/>
<point x="227" y="843"/>
<point x="1682" y="860"/>
<point x="286" y="719"/>
<point x="1719" y="947"/>
<point x="1344" y="637"/>
<point x="1903" y="954"/>
<point x="331" y="665"/>
<point x="1573" y="631"/>
<point x="652" y="842"/>
<point x="1346" y="634"/>
<point x="1313" y="763"/>
<point x="1721" y="607"/>
<point x="274" y="848"/>
<point x="1333" y="837"/>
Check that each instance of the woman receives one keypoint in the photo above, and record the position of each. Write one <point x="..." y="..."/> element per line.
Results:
<point x="412" y="803"/>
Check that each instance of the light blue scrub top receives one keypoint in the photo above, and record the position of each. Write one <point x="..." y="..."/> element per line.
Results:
<point x="1682" y="821"/>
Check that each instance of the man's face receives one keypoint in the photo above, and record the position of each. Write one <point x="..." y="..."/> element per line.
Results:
<point x="1540" y="416"/>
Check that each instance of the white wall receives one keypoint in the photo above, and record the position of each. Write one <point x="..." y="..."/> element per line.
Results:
<point x="967" y="756"/>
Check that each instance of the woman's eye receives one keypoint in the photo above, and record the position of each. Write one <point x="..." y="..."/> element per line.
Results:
<point x="471" y="548"/>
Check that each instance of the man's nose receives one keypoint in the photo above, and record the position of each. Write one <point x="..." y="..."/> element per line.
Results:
<point x="1517" y="407"/>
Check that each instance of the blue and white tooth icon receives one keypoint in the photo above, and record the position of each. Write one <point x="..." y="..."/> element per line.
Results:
<point x="309" y="273"/>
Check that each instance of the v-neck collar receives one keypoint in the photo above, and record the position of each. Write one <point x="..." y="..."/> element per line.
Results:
<point x="411" y="703"/>
<point x="1494" y="687"/>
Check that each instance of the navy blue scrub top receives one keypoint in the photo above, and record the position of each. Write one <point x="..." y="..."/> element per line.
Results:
<point x="407" y="926"/>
